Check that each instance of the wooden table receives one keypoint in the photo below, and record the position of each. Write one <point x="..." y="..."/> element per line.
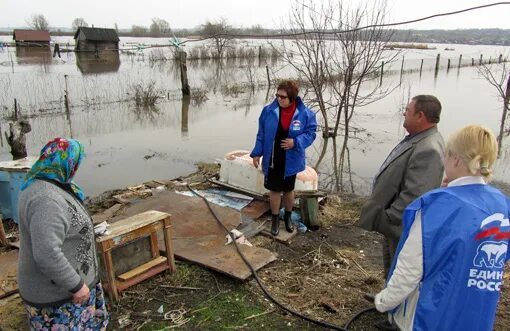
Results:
<point x="146" y="224"/>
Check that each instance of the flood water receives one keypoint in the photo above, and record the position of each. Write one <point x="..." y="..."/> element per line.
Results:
<point x="125" y="145"/>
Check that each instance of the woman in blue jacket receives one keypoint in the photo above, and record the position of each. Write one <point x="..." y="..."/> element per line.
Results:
<point x="286" y="128"/>
<point x="448" y="270"/>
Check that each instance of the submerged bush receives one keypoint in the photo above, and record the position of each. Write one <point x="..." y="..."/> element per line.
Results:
<point x="145" y="94"/>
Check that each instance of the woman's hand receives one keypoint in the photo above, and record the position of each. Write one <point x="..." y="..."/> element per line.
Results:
<point x="256" y="161"/>
<point x="82" y="296"/>
<point x="287" y="143"/>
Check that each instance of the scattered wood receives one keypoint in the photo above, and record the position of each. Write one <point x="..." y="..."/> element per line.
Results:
<point x="129" y="196"/>
<point x="182" y="287"/>
<point x="261" y="314"/>
<point x="107" y="214"/>
<point x="142" y="268"/>
<point x="14" y="244"/>
<point x="3" y="237"/>
<point x="330" y="306"/>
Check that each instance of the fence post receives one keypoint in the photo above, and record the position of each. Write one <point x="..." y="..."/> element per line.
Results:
<point x="15" y="110"/>
<point x="382" y="73"/>
<point x="500" y="58"/>
<point x="472" y="62"/>
<point x="268" y="78"/>
<point x="401" y="70"/>
<point x="421" y="66"/>
<point x="66" y="95"/>
<point x="448" y="66"/>
<point x="184" y="74"/>
<point x="481" y="59"/>
<point x="460" y="60"/>
<point x="438" y="57"/>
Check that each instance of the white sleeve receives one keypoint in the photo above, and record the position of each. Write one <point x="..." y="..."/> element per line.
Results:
<point x="408" y="270"/>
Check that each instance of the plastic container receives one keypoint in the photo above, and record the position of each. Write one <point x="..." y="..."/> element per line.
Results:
<point x="12" y="176"/>
<point x="237" y="170"/>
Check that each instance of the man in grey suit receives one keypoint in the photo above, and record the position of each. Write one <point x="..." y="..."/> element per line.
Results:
<point x="413" y="167"/>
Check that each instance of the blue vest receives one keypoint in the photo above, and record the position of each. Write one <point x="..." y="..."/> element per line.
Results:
<point x="465" y="232"/>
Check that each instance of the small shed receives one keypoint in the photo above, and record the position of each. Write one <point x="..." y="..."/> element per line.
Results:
<point x="96" y="39"/>
<point x="32" y="38"/>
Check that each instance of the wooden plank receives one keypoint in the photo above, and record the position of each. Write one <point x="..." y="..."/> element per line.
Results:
<point x="211" y="252"/>
<point x="142" y="268"/>
<point x="14" y="244"/>
<point x="154" y="244"/>
<point x="256" y="209"/>
<point x="283" y="236"/>
<point x="8" y="271"/>
<point x="108" y="266"/>
<point x="197" y="237"/>
<point x="107" y="214"/>
<point x="3" y="237"/>
<point x="132" y="223"/>
<point x="137" y="233"/>
<point x="121" y="286"/>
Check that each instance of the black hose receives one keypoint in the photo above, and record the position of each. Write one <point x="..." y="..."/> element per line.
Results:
<point x="357" y="315"/>
<point x="254" y="273"/>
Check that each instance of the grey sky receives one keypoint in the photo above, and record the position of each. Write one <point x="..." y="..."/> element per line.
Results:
<point x="268" y="13"/>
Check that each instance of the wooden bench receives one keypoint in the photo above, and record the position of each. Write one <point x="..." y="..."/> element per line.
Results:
<point x="123" y="232"/>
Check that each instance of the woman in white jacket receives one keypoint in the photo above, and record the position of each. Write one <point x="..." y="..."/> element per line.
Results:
<point x="448" y="269"/>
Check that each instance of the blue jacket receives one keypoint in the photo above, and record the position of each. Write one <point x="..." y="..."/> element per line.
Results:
<point x="465" y="233"/>
<point x="302" y="130"/>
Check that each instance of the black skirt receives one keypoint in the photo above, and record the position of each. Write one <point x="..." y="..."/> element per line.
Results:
<point x="275" y="180"/>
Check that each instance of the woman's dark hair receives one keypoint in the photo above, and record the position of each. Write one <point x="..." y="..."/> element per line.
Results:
<point x="291" y="87"/>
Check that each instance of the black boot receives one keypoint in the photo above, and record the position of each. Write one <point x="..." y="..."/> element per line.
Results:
<point x="288" y="222"/>
<point x="275" y="225"/>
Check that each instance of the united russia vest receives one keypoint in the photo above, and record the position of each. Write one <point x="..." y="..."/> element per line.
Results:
<point x="465" y="233"/>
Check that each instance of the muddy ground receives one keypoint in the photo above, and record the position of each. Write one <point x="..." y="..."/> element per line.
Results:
<point x="322" y="274"/>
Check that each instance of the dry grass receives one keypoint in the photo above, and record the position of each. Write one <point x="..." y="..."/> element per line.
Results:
<point x="344" y="210"/>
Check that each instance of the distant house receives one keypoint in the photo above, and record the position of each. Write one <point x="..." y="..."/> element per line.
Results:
<point x="96" y="39"/>
<point x="31" y="38"/>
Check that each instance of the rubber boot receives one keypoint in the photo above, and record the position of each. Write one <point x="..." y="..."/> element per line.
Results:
<point x="275" y="225"/>
<point x="288" y="223"/>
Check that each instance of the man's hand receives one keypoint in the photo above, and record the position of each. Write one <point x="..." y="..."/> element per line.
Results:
<point x="287" y="143"/>
<point x="256" y="161"/>
<point x="82" y="296"/>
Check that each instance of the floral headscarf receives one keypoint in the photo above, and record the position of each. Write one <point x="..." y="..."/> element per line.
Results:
<point x="59" y="160"/>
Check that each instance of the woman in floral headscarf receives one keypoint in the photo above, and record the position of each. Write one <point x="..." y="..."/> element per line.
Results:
<point x="58" y="269"/>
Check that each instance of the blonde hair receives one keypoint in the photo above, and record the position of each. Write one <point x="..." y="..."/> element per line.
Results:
<point x="477" y="147"/>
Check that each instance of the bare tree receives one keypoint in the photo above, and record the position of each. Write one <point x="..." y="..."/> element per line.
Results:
<point x="219" y="33"/>
<point x="79" y="22"/>
<point x="139" y="30"/>
<point x="159" y="26"/>
<point x="38" y="22"/>
<point x="498" y="75"/>
<point x="335" y="58"/>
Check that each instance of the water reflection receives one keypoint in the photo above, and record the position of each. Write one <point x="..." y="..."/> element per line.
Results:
<point x="33" y="55"/>
<point x="91" y="64"/>
<point x="184" y="116"/>
<point x="336" y="173"/>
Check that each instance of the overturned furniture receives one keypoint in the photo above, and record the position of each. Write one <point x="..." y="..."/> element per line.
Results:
<point x="126" y="232"/>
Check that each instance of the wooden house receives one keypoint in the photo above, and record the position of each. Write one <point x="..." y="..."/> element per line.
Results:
<point x="96" y="39"/>
<point x="31" y="38"/>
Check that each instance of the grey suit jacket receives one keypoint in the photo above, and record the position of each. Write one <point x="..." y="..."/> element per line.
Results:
<point x="416" y="168"/>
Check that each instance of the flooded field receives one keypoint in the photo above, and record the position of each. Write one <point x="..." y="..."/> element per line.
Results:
<point x="127" y="145"/>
